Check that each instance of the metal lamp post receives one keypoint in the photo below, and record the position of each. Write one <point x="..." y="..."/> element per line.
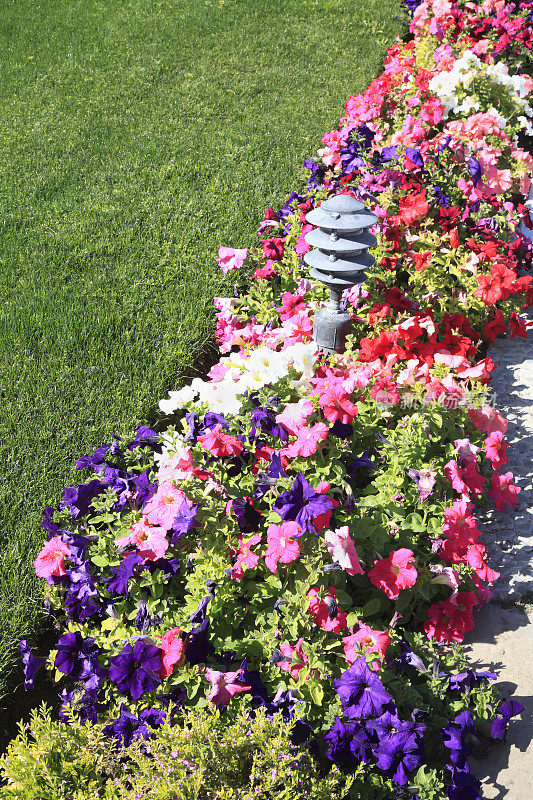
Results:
<point x="339" y="261"/>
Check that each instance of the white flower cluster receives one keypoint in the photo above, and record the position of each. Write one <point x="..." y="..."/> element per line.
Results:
<point x="243" y="373"/>
<point x="447" y="86"/>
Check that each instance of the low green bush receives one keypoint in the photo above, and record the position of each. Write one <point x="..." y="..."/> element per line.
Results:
<point x="211" y="756"/>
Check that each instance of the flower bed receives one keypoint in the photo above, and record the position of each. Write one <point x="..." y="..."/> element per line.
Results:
<point x="302" y="537"/>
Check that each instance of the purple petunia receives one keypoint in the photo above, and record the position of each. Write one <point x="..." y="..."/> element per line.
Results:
<point x="400" y="752"/>
<point x="144" y="489"/>
<point x="135" y="669"/>
<point x="78" y="658"/>
<point x="118" y="585"/>
<point x="506" y="710"/>
<point x="127" y="727"/>
<point x="185" y="521"/>
<point x="346" y="743"/>
<point x="302" y="504"/>
<point x="30" y="662"/>
<point x="464" y="786"/>
<point x="198" y="648"/>
<point x="460" y="681"/>
<point x="361" y="692"/>
<point x="248" y="518"/>
<point x="455" y="738"/>
<point x="425" y="480"/>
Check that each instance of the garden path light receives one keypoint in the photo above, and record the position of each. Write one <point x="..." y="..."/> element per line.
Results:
<point x="339" y="260"/>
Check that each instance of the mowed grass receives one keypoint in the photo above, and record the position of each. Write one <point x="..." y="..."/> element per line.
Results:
<point x="136" y="136"/>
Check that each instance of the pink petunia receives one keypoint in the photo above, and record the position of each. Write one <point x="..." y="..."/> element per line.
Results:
<point x="394" y="573"/>
<point x="324" y="609"/>
<point x="295" y="657"/>
<point x="342" y="550"/>
<point x="495" y="449"/>
<point x="336" y="404"/>
<point x="502" y="491"/>
<point x="228" y="258"/>
<point x="51" y="560"/>
<point x="173" y="651"/>
<point x="365" y="640"/>
<point x="281" y="547"/>
<point x="294" y="415"/>
<point x="162" y="509"/>
<point x="223" y="686"/>
<point x="219" y="443"/>
<point x="307" y="442"/>
<point x="150" y="542"/>
<point x="488" y="420"/>
<point x="476" y="555"/>
<point x="459" y="520"/>
<point x="245" y="557"/>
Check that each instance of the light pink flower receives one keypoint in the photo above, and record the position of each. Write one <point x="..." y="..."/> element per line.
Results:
<point x="245" y="557"/>
<point x="307" y="442"/>
<point x="223" y="686"/>
<point x="163" y="507"/>
<point x="51" y="560"/>
<point x="228" y="258"/>
<point x="342" y="550"/>
<point x="294" y="415"/>
<point x="281" y="547"/>
<point x="296" y="659"/>
<point x="365" y="640"/>
<point x="150" y="542"/>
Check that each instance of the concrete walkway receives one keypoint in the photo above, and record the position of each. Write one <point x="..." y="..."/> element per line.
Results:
<point x="502" y="639"/>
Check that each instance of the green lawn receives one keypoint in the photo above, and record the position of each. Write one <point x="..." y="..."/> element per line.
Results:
<point x="136" y="136"/>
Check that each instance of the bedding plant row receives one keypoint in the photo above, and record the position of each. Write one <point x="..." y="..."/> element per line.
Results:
<point x="298" y="545"/>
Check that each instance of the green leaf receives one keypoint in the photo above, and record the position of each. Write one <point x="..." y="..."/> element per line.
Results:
<point x="372" y="607"/>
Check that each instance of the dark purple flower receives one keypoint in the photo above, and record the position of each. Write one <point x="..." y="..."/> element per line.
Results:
<point x="93" y="462"/>
<point x="406" y="658"/>
<point x="265" y="480"/>
<point x="467" y="680"/>
<point x="506" y="710"/>
<point x="341" y="430"/>
<point x="415" y="156"/>
<point x="78" y="658"/>
<point x="389" y="153"/>
<point x="294" y="197"/>
<point x="83" y="703"/>
<point x="144" y="490"/>
<point x="127" y="727"/>
<point x="168" y="567"/>
<point x="185" y="521"/>
<point x="248" y="518"/>
<point x="317" y="175"/>
<point x="198" y="648"/>
<point x="400" y="751"/>
<point x="143" y="620"/>
<point x="48" y="524"/>
<point x="302" y="504"/>
<point x="346" y="743"/>
<point x="78" y="498"/>
<point x="211" y="419"/>
<point x="474" y="168"/>
<point x="119" y="584"/>
<point x="425" y="480"/>
<point x="146" y="437"/>
<point x="198" y="616"/>
<point x="263" y="420"/>
<point x="361" y="692"/>
<point x="135" y="669"/>
<point x="455" y="738"/>
<point x="283" y="701"/>
<point x="464" y="786"/>
<point x="440" y="197"/>
<point x="31" y="663"/>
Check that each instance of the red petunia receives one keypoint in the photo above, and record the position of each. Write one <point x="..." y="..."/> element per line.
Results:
<point x="394" y="573"/>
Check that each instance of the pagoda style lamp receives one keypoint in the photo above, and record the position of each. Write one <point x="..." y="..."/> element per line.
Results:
<point x="339" y="260"/>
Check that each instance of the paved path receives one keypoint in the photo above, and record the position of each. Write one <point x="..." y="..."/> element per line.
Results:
<point x="503" y="635"/>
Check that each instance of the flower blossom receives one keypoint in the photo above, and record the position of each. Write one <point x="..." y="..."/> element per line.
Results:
<point x="325" y="610"/>
<point x="281" y="546"/>
<point x="219" y="443"/>
<point x="365" y="640"/>
<point x="342" y="550"/>
<point x="223" y="686"/>
<point x="51" y="560"/>
<point x="394" y="573"/>
<point x="228" y="258"/>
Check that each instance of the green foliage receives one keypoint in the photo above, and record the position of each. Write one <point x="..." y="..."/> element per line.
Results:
<point x="208" y="756"/>
<point x="137" y="137"/>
